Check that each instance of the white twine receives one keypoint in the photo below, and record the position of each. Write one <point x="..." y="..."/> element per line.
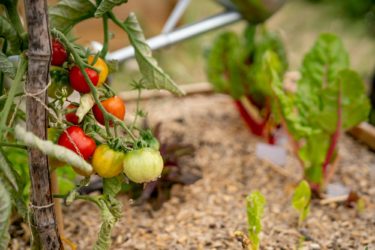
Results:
<point x="47" y="147"/>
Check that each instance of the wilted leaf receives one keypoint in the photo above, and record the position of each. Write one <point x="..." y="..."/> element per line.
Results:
<point x="112" y="186"/>
<point x="154" y="77"/>
<point x="85" y="104"/>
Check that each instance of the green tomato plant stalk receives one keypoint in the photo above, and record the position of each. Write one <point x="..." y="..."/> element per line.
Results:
<point x="91" y="135"/>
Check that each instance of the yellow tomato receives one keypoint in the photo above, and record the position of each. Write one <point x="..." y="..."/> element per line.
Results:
<point x="107" y="162"/>
<point x="101" y="65"/>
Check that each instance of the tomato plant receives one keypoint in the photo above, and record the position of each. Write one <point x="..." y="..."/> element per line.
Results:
<point x="100" y="136"/>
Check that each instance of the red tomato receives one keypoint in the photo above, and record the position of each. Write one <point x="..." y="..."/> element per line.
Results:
<point x="113" y="105"/>
<point x="83" y="144"/>
<point x="77" y="80"/>
<point x="59" y="54"/>
<point x="71" y="115"/>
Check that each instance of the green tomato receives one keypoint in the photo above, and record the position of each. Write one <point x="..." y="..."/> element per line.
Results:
<point x="60" y="86"/>
<point x="143" y="165"/>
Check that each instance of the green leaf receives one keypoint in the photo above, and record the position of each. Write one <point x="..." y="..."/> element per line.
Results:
<point x="107" y="5"/>
<point x="64" y="15"/>
<point x="7" y="173"/>
<point x="255" y="203"/>
<point x="153" y="76"/>
<point x="112" y="186"/>
<point x="319" y="71"/>
<point x="10" y="35"/>
<point x="7" y="66"/>
<point x="224" y="65"/>
<point x="5" y="212"/>
<point x="354" y="103"/>
<point x="301" y="200"/>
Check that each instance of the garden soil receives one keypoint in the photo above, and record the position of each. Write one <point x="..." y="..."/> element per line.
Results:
<point x="206" y="214"/>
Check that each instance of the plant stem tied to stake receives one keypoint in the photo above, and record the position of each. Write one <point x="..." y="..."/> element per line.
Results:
<point x="42" y="217"/>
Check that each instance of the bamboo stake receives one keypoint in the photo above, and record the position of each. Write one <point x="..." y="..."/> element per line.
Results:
<point x="42" y="217"/>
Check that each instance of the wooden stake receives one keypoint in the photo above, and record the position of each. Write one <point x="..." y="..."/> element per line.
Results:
<point x="42" y="216"/>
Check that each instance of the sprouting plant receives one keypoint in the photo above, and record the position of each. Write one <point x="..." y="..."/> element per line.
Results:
<point x="301" y="200"/>
<point x="255" y="203"/>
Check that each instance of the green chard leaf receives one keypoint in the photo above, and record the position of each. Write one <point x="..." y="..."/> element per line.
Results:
<point x="224" y="65"/>
<point x="5" y="212"/>
<point x="301" y="200"/>
<point x="107" y="5"/>
<point x="255" y="203"/>
<point x="10" y="35"/>
<point x="154" y="77"/>
<point x="64" y="15"/>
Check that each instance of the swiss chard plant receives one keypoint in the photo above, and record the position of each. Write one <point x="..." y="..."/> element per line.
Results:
<point x="328" y="99"/>
<point x="236" y="67"/>
<point x="89" y="134"/>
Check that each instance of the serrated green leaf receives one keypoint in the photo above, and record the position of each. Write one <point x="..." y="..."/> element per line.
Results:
<point x="10" y="35"/>
<point x="224" y="65"/>
<point x="255" y="203"/>
<point x="5" y="212"/>
<point x="64" y="15"/>
<point x="107" y="5"/>
<point x="154" y="77"/>
<point x="112" y="186"/>
<point x="7" y="66"/>
<point x="301" y="200"/>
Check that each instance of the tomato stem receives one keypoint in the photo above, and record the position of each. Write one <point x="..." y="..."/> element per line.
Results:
<point x="104" y="50"/>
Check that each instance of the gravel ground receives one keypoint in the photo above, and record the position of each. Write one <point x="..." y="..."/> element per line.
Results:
<point x="206" y="214"/>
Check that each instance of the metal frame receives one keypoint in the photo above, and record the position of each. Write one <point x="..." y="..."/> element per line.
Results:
<point x="171" y="36"/>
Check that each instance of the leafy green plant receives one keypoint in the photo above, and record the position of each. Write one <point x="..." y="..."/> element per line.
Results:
<point x="301" y="200"/>
<point x="79" y="131"/>
<point x="329" y="98"/>
<point x="255" y="203"/>
<point x="235" y="66"/>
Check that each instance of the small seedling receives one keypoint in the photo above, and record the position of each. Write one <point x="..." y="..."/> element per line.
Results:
<point x="301" y="201"/>
<point x="255" y="203"/>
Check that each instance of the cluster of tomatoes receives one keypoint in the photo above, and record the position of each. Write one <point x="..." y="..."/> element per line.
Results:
<point x="140" y="165"/>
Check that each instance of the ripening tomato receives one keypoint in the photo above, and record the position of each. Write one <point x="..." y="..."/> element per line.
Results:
<point x="113" y="105"/>
<point x="78" y="82"/>
<point x="71" y="116"/>
<point x="107" y="162"/>
<point x="76" y="140"/>
<point x="101" y="65"/>
<point x="143" y="165"/>
<point x="59" y="54"/>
